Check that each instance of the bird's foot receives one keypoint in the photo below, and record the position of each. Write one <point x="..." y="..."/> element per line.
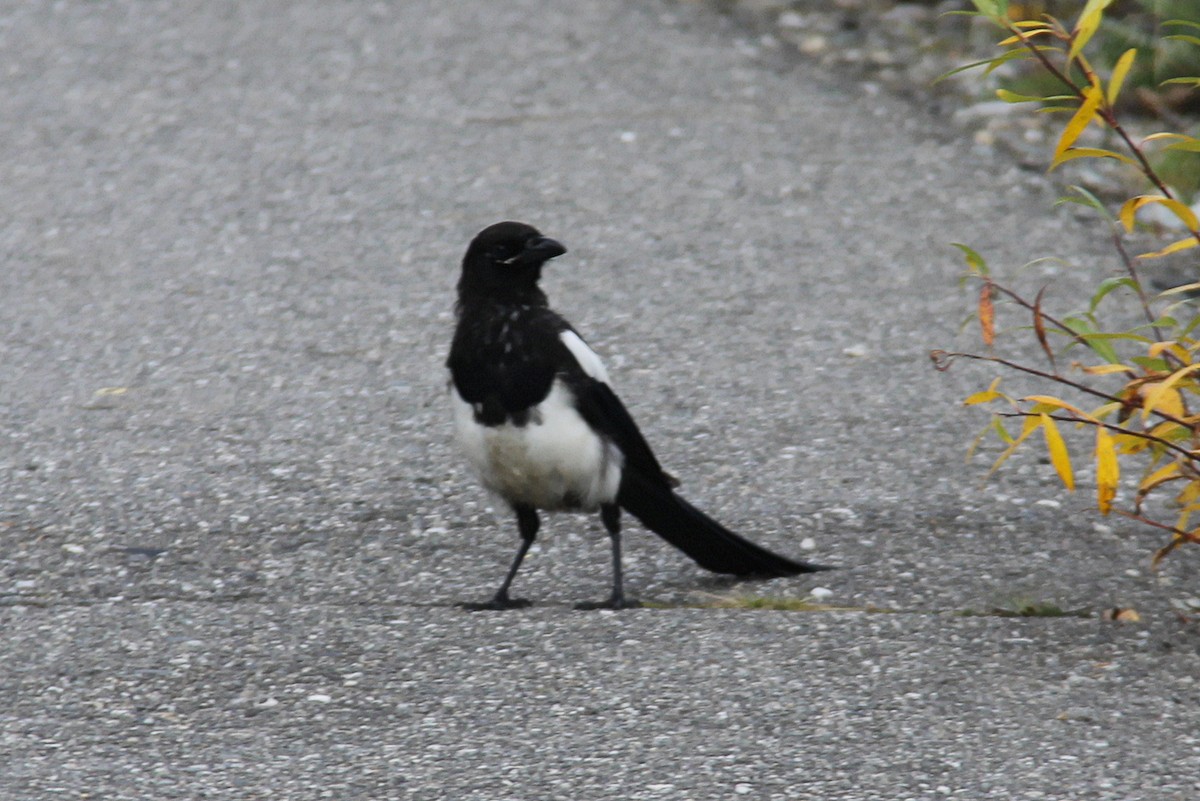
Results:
<point x="620" y="602"/>
<point x="497" y="603"/>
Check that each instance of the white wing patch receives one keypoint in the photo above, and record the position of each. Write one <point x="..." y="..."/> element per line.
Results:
<point x="586" y="357"/>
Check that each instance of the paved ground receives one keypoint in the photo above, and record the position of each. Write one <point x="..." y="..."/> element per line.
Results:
<point x="233" y="531"/>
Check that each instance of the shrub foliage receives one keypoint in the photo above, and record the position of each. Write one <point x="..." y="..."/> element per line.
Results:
<point x="1136" y="390"/>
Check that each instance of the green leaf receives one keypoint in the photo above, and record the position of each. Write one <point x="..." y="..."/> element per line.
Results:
<point x="1001" y="431"/>
<point x="964" y="68"/>
<point x="1094" y="340"/>
<point x="1019" y="54"/>
<point x="1151" y="365"/>
<point x="1191" y="146"/>
<point x="1165" y="321"/>
<point x="991" y="8"/>
<point x="1086" y="198"/>
<point x="1108" y="285"/>
<point x="974" y="260"/>
<point x="1013" y="97"/>
<point x="1117" y="336"/>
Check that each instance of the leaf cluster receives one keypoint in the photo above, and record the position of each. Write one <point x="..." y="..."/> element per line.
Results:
<point x="1136" y="390"/>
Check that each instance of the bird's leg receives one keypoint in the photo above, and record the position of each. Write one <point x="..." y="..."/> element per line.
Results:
<point x="610" y="513"/>
<point x="527" y="525"/>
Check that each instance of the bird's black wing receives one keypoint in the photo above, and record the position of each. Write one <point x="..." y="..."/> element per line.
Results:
<point x="647" y="492"/>
<point x="602" y="410"/>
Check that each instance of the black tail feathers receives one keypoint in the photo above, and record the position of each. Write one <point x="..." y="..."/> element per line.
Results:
<point x="710" y="544"/>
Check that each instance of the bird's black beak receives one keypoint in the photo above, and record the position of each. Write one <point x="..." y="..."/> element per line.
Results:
<point x="544" y="248"/>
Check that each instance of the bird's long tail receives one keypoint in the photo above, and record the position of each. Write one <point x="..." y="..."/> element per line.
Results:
<point x="710" y="544"/>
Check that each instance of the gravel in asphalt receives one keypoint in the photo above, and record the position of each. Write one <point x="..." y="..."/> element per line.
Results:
<point x="233" y="529"/>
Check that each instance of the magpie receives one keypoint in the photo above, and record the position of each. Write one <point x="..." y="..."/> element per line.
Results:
<point x="542" y="428"/>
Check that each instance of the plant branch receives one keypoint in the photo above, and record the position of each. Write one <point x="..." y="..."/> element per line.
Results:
<point x="1178" y="539"/>
<point x="942" y="360"/>
<point x="1111" y="427"/>
<point x="1131" y="268"/>
<point x="1105" y="111"/>
<point x="1031" y="307"/>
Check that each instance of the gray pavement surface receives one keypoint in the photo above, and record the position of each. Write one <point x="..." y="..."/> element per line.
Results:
<point x="232" y="528"/>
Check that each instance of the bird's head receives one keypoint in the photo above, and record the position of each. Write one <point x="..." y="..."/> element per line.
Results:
<point x="506" y="258"/>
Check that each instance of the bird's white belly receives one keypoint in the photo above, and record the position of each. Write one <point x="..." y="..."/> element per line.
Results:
<point x="555" y="461"/>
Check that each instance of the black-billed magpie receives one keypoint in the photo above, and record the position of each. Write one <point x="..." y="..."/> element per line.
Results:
<point x="542" y="428"/>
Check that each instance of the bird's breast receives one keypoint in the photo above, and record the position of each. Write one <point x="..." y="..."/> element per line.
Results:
<point x="549" y="458"/>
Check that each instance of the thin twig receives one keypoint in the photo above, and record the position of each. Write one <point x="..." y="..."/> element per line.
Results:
<point x="1106" y="113"/>
<point x="1110" y="426"/>
<point x="1131" y="268"/>
<point x="940" y="356"/>
<point x="1022" y="302"/>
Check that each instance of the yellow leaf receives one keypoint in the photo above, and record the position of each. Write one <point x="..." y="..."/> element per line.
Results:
<point x="1178" y="290"/>
<point x="1108" y="472"/>
<point x="1128" y="444"/>
<point x="985" y="396"/>
<point x="1108" y="369"/>
<point x="1156" y="398"/>
<point x="989" y="394"/>
<point x="1170" y="402"/>
<point x="1164" y="135"/>
<point x="1031" y="424"/>
<point x="1185" y="515"/>
<point x="1182" y="212"/>
<point x="1061" y="404"/>
<point x="1130" y="207"/>
<point x="1156" y="349"/>
<point x="1169" y="431"/>
<point x="1089" y="22"/>
<point x="1091" y="152"/>
<point x="1188" y="494"/>
<point x="1083" y="117"/>
<point x="1174" y="247"/>
<point x="1163" y="474"/>
<point x="1025" y="37"/>
<point x="1120" y="70"/>
<point x="1058" y="452"/>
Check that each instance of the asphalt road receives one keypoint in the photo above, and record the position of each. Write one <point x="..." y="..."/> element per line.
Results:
<point x="232" y="528"/>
